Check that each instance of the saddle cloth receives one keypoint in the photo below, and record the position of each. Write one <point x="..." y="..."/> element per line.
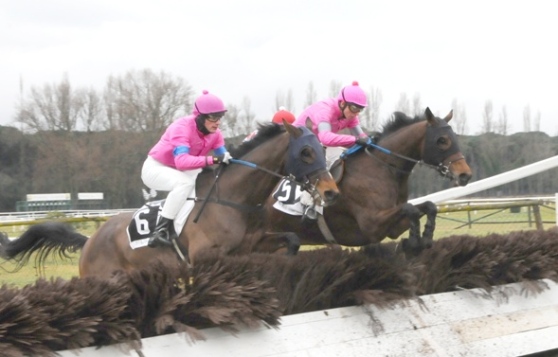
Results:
<point x="290" y="199"/>
<point x="145" y="220"/>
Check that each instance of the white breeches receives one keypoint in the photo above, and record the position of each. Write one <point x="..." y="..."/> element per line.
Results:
<point x="180" y="184"/>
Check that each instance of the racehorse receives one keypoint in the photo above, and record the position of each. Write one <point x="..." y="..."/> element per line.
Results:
<point x="232" y="208"/>
<point x="374" y="188"/>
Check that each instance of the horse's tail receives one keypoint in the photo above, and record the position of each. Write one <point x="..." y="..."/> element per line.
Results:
<point x="44" y="239"/>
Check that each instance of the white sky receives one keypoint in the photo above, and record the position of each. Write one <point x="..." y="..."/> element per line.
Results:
<point x="472" y="51"/>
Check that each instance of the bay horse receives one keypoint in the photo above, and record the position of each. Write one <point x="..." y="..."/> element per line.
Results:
<point x="233" y="208"/>
<point x="374" y="188"/>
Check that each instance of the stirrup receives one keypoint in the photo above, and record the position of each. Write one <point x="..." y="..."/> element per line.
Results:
<point x="310" y="213"/>
<point x="160" y="238"/>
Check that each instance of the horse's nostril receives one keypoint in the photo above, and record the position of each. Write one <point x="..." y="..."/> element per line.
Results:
<point x="331" y="195"/>
<point x="464" y="179"/>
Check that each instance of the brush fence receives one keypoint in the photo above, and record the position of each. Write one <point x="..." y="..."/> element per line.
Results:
<point x="506" y="322"/>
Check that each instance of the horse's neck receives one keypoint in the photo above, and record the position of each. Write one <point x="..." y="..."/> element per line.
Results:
<point x="407" y="141"/>
<point x="253" y="186"/>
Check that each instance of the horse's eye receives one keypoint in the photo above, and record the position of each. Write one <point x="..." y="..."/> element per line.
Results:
<point x="443" y="142"/>
<point x="308" y="155"/>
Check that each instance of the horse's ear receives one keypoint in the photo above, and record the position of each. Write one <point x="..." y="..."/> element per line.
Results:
<point x="309" y="124"/>
<point x="429" y="116"/>
<point x="449" y="116"/>
<point x="292" y="130"/>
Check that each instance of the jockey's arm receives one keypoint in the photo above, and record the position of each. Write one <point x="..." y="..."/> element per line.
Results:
<point x="329" y="138"/>
<point x="184" y="161"/>
<point x="358" y="132"/>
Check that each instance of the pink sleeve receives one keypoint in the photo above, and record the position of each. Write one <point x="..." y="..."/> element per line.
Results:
<point x="328" y="138"/>
<point x="220" y="141"/>
<point x="190" y="162"/>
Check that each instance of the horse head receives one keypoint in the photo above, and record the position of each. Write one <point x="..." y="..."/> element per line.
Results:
<point x="441" y="149"/>
<point x="306" y="162"/>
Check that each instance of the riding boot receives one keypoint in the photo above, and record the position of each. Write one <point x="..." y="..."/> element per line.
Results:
<point x="161" y="237"/>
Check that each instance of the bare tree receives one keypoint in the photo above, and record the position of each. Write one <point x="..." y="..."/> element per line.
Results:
<point x="527" y="118"/>
<point x="417" y="105"/>
<point x="459" y="121"/>
<point x="487" y="122"/>
<point x="371" y="117"/>
<point x="52" y="107"/>
<point x="503" y="124"/>
<point x="228" y="126"/>
<point x="145" y="101"/>
<point x="334" y="88"/>
<point x="289" y="101"/>
<point x="284" y="100"/>
<point x="537" y="121"/>
<point x="246" y="121"/>
<point x="403" y="104"/>
<point x="311" y="95"/>
<point x="279" y="100"/>
<point x="91" y="118"/>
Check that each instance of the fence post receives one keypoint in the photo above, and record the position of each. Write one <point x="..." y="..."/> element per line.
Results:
<point x="538" y="218"/>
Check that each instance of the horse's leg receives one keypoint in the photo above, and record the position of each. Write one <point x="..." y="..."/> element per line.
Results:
<point x="431" y="211"/>
<point x="272" y="242"/>
<point x="413" y="244"/>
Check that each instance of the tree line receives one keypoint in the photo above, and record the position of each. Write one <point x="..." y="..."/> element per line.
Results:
<point x="78" y="140"/>
<point x="109" y="161"/>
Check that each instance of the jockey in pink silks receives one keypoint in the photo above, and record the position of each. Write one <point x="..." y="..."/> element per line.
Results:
<point x="335" y="114"/>
<point x="176" y="160"/>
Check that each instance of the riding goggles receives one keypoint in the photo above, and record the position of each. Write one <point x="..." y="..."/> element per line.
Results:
<point x="215" y="117"/>
<point x="355" y="109"/>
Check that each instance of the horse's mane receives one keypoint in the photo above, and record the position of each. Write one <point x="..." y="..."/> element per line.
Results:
<point x="265" y="132"/>
<point x="398" y="121"/>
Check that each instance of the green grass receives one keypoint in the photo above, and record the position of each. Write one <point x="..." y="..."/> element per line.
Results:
<point x="484" y="222"/>
<point x="53" y="268"/>
<point x="447" y="224"/>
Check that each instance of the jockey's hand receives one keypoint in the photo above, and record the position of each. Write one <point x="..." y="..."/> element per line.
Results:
<point x="363" y="141"/>
<point x="222" y="158"/>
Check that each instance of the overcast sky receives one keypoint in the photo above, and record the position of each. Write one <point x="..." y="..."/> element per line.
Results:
<point x="471" y="51"/>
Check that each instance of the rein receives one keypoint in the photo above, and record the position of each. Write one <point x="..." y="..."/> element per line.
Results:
<point x="442" y="169"/>
<point x="306" y="185"/>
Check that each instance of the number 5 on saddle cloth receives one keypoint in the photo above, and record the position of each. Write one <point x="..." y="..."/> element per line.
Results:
<point x="291" y="199"/>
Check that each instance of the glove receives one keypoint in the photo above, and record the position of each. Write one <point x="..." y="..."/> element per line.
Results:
<point x="222" y="158"/>
<point x="364" y="141"/>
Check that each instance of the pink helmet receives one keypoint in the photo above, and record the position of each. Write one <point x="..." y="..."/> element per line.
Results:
<point x="208" y="104"/>
<point x="283" y="114"/>
<point x="353" y="94"/>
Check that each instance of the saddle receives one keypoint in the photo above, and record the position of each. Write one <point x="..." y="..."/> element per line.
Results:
<point x="145" y="220"/>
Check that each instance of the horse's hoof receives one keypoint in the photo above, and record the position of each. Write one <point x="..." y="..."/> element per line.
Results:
<point x="411" y="250"/>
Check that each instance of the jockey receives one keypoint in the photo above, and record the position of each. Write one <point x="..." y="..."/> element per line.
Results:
<point x="329" y="117"/>
<point x="277" y="119"/>
<point x="335" y="114"/>
<point x="176" y="160"/>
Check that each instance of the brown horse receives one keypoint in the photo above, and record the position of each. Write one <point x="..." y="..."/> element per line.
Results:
<point x="374" y="188"/>
<point x="234" y="208"/>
